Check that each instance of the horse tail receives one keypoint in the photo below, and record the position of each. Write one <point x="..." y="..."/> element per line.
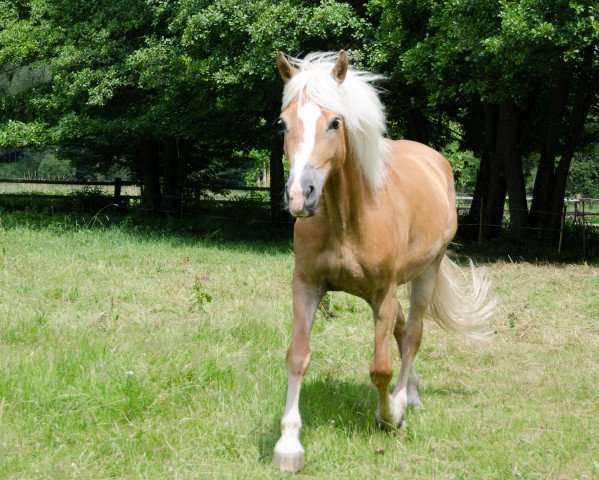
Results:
<point x="461" y="302"/>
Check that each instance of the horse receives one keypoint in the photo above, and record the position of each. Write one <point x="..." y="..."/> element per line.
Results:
<point x="371" y="214"/>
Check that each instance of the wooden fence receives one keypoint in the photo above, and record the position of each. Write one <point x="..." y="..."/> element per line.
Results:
<point x="117" y="184"/>
<point x="581" y="210"/>
<point x="116" y="188"/>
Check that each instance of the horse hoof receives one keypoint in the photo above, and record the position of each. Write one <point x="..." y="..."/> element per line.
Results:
<point x="388" y="425"/>
<point x="288" y="455"/>
<point x="291" y="463"/>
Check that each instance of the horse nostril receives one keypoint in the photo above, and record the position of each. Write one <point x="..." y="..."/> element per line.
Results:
<point x="309" y="190"/>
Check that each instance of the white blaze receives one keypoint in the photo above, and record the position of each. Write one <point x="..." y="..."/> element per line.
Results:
<point x="308" y="115"/>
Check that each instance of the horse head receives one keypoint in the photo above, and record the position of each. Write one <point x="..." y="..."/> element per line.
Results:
<point x="315" y="137"/>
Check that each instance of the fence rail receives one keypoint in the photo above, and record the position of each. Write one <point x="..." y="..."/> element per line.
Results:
<point x="116" y="181"/>
<point x="463" y="202"/>
<point x="117" y="185"/>
<point x="579" y="214"/>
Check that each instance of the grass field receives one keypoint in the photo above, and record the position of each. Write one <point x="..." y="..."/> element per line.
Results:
<point x="126" y="354"/>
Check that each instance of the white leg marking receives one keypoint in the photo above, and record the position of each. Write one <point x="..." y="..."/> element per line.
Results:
<point x="389" y="412"/>
<point x="412" y="390"/>
<point x="289" y="453"/>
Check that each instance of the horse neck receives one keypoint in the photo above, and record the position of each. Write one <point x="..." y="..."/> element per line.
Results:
<point x="346" y="193"/>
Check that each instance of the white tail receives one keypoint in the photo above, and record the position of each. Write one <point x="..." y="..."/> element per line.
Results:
<point x="461" y="302"/>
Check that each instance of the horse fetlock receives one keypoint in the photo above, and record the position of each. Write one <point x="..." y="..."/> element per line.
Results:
<point x="414" y="397"/>
<point x="381" y="376"/>
<point x="388" y="416"/>
<point x="291" y="427"/>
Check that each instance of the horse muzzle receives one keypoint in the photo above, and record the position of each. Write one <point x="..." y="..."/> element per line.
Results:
<point x="302" y="196"/>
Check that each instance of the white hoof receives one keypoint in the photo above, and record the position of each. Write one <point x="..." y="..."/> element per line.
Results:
<point x="386" y="424"/>
<point x="288" y="455"/>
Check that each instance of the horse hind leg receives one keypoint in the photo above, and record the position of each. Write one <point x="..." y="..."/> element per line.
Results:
<point x="406" y="389"/>
<point x="413" y="379"/>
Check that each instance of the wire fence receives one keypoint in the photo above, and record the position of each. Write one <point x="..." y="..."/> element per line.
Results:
<point x="579" y="209"/>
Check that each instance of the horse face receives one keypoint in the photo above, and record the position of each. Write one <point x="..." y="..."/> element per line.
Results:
<point x="315" y="147"/>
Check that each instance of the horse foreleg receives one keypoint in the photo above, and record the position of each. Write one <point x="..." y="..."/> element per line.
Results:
<point x="406" y="389"/>
<point x="289" y="453"/>
<point x="381" y="370"/>
<point x="413" y="380"/>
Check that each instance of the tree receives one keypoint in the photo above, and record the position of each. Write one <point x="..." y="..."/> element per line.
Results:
<point x="163" y="87"/>
<point x="519" y="77"/>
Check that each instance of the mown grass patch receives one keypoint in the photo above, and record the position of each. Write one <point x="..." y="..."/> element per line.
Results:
<point x="113" y="364"/>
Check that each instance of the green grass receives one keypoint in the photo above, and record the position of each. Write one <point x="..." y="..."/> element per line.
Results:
<point x="128" y="353"/>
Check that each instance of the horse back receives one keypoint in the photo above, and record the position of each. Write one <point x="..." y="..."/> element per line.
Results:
<point x="421" y="187"/>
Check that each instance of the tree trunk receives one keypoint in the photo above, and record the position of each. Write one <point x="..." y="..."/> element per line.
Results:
<point x="417" y="127"/>
<point x="508" y="145"/>
<point x="150" y="166"/>
<point x="586" y="92"/>
<point x="277" y="182"/>
<point x="490" y="187"/>
<point x="176" y="159"/>
<point x="545" y="179"/>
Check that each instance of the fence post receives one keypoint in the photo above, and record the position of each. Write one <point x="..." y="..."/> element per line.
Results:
<point x="117" y="190"/>
<point x="480" y="222"/>
<point x="561" y="228"/>
<point x="584" y="249"/>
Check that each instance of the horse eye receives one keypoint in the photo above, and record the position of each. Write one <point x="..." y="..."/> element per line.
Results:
<point x="334" y="125"/>
<point x="282" y="125"/>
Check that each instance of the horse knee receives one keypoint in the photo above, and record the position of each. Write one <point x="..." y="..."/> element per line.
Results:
<point x="298" y="358"/>
<point x="380" y="375"/>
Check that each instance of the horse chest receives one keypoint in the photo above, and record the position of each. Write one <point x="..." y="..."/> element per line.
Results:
<point x="346" y="268"/>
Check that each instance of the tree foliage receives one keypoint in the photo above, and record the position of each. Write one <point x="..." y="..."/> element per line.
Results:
<point x="519" y="77"/>
<point x="132" y="78"/>
<point x="176" y="89"/>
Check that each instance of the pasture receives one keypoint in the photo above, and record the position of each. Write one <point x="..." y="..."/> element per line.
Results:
<point x="125" y="354"/>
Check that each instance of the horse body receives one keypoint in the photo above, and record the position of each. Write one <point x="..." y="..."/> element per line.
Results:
<point x="353" y="246"/>
<point x="372" y="214"/>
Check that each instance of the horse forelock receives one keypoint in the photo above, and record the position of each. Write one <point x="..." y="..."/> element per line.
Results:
<point x="355" y="100"/>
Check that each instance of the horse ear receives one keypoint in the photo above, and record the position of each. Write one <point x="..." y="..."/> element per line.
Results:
<point x="341" y="66"/>
<point x="286" y="70"/>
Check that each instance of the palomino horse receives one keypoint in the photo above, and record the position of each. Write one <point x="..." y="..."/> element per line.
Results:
<point x="372" y="214"/>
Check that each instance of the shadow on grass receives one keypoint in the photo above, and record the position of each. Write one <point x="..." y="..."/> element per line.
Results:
<point x="345" y="406"/>
<point x="246" y="225"/>
<point x="349" y="406"/>
<point x="242" y="227"/>
<point x="579" y="245"/>
<point x="341" y="405"/>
